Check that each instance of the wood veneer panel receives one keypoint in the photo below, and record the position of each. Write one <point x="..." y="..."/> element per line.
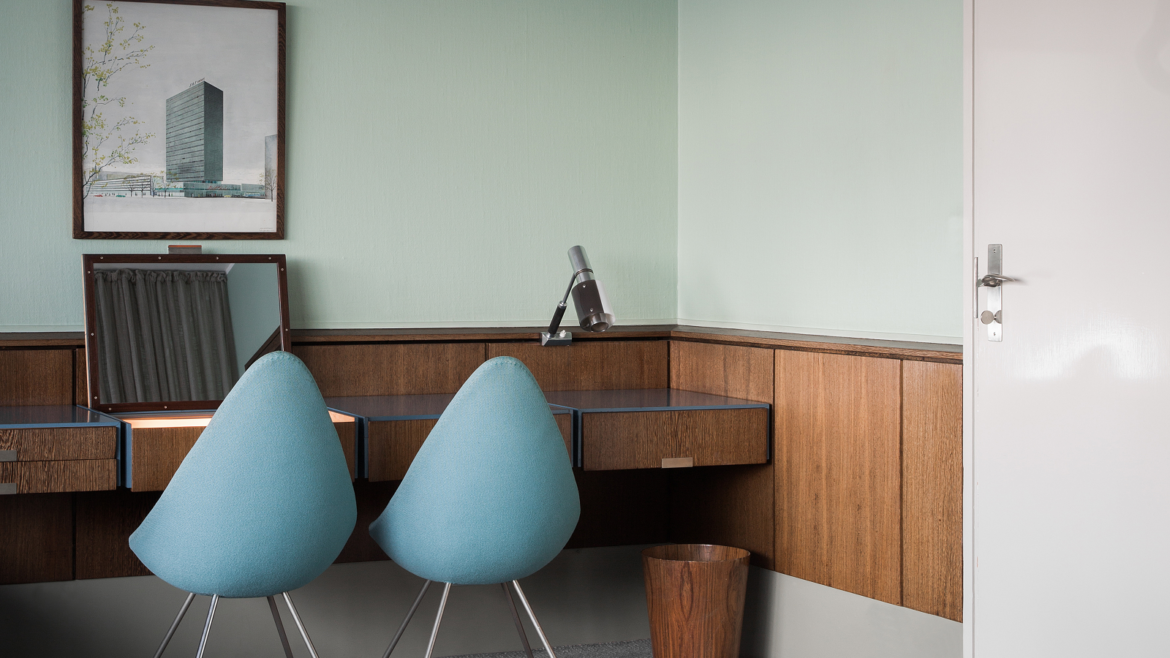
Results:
<point x="80" y="378"/>
<point x="725" y="505"/>
<point x="728" y="370"/>
<point x="347" y="434"/>
<point x="888" y="349"/>
<point x="58" y="443"/>
<point x="104" y="522"/>
<point x="61" y="476"/>
<point x="156" y="453"/>
<point x="36" y="377"/>
<point x="592" y="366"/>
<point x="36" y="544"/>
<point x="371" y="498"/>
<point x="388" y="369"/>
<point x="641" y="439"/>
<point x="622" y="508"/>
<point x="394" y="443"/>
<point x="932" y="488"/>
<point x="837" y="452"/>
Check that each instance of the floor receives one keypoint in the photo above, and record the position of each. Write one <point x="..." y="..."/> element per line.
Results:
<point x="631" y="649"/>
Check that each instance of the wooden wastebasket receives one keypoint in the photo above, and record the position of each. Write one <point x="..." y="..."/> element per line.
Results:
<point x="695" y="594"/>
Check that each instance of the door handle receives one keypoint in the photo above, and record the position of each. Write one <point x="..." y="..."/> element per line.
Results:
<point x="993" y="281"/>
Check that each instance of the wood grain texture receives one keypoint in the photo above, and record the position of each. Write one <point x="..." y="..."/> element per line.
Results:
<point x="61" y="443"/>
<point x="695" y="597"/>
<point x="729" y="370"/>
<point x="889" y="349"/>
<point x="61" y="476"/>
<point x="592" y="366"/>
<point x="622" y="508"/>
<point x="371" y="498"/>
<point x="158" y="451"/>
<point x="837" y="449"/>
<point x="80" y="378"/>
<point x="393" y="445"/>
<point x="36" y="377"/>
<point x="932" y="488"/>
<point x="36" y="541"/>
<point x="462" y="334"/>
<point x="104" y="522"/>
<point x="412" y="369"/>
<point x="727" y="505"/>
<point x="641" y="439"/>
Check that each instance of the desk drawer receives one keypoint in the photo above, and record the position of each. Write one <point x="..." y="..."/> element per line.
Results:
<point x="58" y="443"/>
<point x="643" y="439"/>
<point x="27" y="477"/>
<point x="393" y="444"/>
<point x="156" y="452"/>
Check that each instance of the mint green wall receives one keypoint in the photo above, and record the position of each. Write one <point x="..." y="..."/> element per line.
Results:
<point x="442" y="158"/>
<point x="820" y="166"/>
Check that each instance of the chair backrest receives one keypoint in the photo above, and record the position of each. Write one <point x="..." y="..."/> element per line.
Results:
<point x="263" y="502"/>
<point x="490" y="497"/>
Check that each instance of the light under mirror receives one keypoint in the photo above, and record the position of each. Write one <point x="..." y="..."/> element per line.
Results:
<point x="177" y="332"/>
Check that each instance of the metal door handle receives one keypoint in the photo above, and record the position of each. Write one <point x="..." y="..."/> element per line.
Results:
<point x="994" y="281"/>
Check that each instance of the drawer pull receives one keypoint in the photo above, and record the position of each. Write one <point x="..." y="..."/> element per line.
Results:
<point x="7" y="455"/>
<point x="678" y="462"/>
<point x="7" y="488"/>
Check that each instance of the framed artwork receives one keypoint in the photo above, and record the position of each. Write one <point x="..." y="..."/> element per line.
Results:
<point x="178" y="119"/>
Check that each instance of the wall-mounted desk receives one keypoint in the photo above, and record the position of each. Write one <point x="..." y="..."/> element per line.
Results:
<point x="393" y="428"/>
<point x="61" y="448"/>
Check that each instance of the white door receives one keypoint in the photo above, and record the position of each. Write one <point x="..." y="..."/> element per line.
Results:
<point x="1071" y="411"/>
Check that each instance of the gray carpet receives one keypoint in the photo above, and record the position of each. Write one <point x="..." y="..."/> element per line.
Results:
<point x="631" y="649"/>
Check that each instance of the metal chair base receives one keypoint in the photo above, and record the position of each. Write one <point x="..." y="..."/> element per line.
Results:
<point x="443" y="606"/>
<point x="211" y="615"/>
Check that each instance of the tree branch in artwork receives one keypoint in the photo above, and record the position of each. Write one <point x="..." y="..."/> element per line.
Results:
<point x="105" y="143"/>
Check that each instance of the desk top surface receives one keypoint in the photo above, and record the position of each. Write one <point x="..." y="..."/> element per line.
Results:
<point x="53" y="416"/>
<point x="653" y="399"/>
<point x="398" y="407"/>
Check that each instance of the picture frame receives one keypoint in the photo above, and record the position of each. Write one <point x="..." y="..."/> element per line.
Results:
<point x="178" y="119"/>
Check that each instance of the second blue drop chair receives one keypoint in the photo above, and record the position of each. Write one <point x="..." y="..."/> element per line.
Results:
<point x="261" y="505"/>
<point x="489" y="498"/>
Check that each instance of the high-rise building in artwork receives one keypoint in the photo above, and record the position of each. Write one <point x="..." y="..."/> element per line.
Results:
<point x="195" y="134"/>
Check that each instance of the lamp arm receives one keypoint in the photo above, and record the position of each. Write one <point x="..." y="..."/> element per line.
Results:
<point x="560" y="312"/>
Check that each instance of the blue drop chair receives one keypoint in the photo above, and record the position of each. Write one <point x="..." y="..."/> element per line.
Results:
<point x="489" y="498"/>
<point x="261" y="505"/>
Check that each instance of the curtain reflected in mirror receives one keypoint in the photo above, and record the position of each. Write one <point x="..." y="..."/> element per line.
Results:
<point x="168" y="335"/>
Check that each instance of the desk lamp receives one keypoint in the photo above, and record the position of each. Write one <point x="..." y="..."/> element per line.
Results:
<point x="593" y="309"/>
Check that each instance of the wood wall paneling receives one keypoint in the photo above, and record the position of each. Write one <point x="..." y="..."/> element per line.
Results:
<point x="393" y="445"/>
<point x="642" y="439"/>
<point x="80" y="378"/>
<point x="347" y="434"/>
<point x="388" y="369"/>
<point x="36" y="538"/>
<point x="932" y="488"/>
<point x="728" y="370"/>
<point x="599" y="365"/>
<point x="105" y="521"/>
<point x="36" y="377"/>
<point x="728" y="505"/>
<point x="837" y="453"/>
<point x="156" y="453"/>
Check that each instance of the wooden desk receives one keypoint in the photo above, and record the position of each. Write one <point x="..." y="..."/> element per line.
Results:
<point x="393" y="428"/>
<point x="60" y="448"/>
<point x="664" y="428"/>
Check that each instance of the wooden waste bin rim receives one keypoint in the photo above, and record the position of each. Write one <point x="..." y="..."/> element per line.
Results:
<point x="696" y="553"/>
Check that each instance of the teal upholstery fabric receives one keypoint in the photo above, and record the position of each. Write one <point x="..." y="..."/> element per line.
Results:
<point x="490" y="497"/>
<point x="264" y="502"/>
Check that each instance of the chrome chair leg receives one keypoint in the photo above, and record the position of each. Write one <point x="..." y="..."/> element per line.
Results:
<point x="300" y="626"/>
<point x="207" y="627"/>
<point x="175" y="626"/>
<point x="402" y="629"/>
<point x="438" y="620"/>
<point x="279" y="627"/>
<point x="516" y="619"/>
<point x="539" y="630"/>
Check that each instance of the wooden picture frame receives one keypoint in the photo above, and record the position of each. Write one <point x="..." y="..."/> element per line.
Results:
<point x="281" y="341"/>
<point x="117" y="135"/>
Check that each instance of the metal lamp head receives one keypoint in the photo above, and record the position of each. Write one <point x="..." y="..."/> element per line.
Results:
<point x="593" y="309"/>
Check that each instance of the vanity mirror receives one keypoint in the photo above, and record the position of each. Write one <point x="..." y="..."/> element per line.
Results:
<point x="175" y="332"/>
